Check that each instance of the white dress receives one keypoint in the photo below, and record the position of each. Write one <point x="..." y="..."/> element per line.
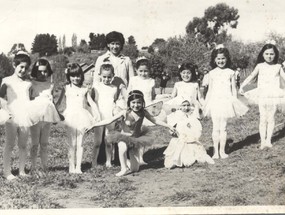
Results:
<point x="105" y="97"/>
<point x="220" y="102"/>
<point x="268" y="89"/>
<point x="186" y="149"/>
<point x="43" y="103"/>
<point x="18" y="101"/>
<point x="76" y="114"/>
<point x="185" y="91"/>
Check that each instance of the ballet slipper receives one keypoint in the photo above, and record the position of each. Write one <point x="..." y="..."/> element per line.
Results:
<point x="123" y="172"/>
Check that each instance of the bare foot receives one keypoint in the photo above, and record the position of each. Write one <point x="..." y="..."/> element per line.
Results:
<point x="209" y="160"/>
<point x="108" y="164"/>
<point x="10" y="177"/>
<point x="23" y="174"/>
<point x="77" y="171"/>
<point x="268" y="144"/>
<point x="216" y="156"/>
<point x="142" y="163"/>
<point x="123" y="172"/>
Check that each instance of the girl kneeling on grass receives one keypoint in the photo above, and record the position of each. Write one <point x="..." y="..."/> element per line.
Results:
<point x="185" y="149"/>
<point x="131" y="138"/>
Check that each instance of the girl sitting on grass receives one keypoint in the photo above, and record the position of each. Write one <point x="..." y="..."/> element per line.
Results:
<point x="131" y="138"/>
<point x="185" y="149"/>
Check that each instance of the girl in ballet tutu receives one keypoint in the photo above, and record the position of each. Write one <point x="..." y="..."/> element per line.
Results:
<point x="185" y="149"/>
<point x="221" y="101"/>
<point x="144" y="83"/>
<point x="16" y="90"/>
<point x="42" y="103"/>
<point x="77" y="118"/>
<point x="131" y="138"/>
<point x="106" y="95"/>
<point x="268" y="94"/>
<point x="186" y="89"/>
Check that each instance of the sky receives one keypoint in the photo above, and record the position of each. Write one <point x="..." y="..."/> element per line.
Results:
<point x="146" y="20"/>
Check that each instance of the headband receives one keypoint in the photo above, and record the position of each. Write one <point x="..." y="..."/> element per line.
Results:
<point x="220" y="46"/>
<point x="272" y="42"/>
<point x="138" y="94"/>
<point x="141" y="58"/>
<point x="22" y="52"/>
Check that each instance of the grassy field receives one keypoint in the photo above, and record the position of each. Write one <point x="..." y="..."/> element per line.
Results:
<point x="249" y="176"/>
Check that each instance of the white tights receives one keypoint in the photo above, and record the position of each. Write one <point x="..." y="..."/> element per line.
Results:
<point x="266" y="124"/>
<point x="75" y="139"/>
<point x="219" y="136"/>
<point x="22" y="133"/>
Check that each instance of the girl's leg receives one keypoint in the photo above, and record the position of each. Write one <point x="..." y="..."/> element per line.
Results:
<point x="223" y="137"/>
<point x="262" y="125"/>
<point x="108" y="150"/>
<point x="134" y="159"/>
<point x="270" y="124"/>
<point x="216" y="136"/>
<point x="22" y="142"/>
<point x="123" y="158"/>
<point x="98" y="133"/>
<point x="11" y="132"/>
<point x="71" y="135"/>
<point x="45" y="132"/>
<point x="79" y="152"/>
<point x="141" y="151"/>
<point x="35" y="138"/>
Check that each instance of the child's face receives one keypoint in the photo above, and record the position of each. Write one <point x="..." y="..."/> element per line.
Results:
<point x="106" y="77"/>
<point x="21" y="69"/>
<point x="143" y="71"/>
<point x="269" y="55"/>
<point x="186" y="107"/>
<point x="221" y="60"/>
<point x="42" y="73"/>
<point x="186" y="75"/>
<point x="75" y="80"/>
<point x="115" y="47"/>
<point x="136" y="105"/>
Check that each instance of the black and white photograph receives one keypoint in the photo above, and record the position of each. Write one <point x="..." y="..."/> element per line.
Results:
<point x="142" y="107"/>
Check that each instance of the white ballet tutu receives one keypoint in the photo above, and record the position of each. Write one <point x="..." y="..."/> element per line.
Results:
<point x="78" y="118"/>
<point x="226" y="107"/>
<point x="270" y="96"/>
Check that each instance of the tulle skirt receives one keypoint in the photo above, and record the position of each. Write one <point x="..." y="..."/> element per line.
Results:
<point x="268" y="96"/>
<point x="181" y="153"/>
<point x="78" y="118"/>
<point x="146" y="139"/>
<point x="226" y="107"/>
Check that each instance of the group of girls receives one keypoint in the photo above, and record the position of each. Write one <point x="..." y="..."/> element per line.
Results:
<point x="29" y="105"/>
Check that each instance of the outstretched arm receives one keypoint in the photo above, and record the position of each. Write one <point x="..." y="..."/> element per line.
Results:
<point x="110" y="120"/>
<point x="158" y="122"/>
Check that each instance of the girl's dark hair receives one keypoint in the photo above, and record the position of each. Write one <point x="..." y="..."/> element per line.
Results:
<point x="20" y="58"/>
<point x="191" y="67"/>
<point x="41" y="62"/>
<point x="107" y="67"/>
<point x="135" y="94"/>
<point x="260" y="58"/>
<point x="74" y="69"/>
<point x="115" y="36"/>
<point x="215" y="53"/>
<point x="142" y="62"/>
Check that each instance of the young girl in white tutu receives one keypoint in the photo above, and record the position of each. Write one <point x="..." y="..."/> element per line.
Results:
<point x="131" y="138"/>
<point x="42" y="104"/>
<point x="106" y="95"/>
<point x="186" y="89"/>
<point x="144" y="83"/>
<point x="268" y="94"/>
<point x="185" y="149"/>
<point x="16" y="90"/>
<point x="77" y="118"/>
<point x="221" y="101"/>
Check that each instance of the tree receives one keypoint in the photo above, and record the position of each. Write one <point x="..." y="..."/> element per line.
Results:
<point x="131" y="51"/>
<point x="131" y="40"/>
<point x="215" y="23"/>
<point x="45" y="45"/>
<point x="6" y="68"/>
<point x="63" y="42"/>
<point x="68" y="51"/>
<point x="83" y="47"/>
<point x="97" y="41"/>
<point x="74" y="40"/>
<point x="60" y="49"/>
